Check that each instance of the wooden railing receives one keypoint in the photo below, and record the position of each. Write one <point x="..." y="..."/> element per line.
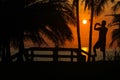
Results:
<point x="74" y="54"/>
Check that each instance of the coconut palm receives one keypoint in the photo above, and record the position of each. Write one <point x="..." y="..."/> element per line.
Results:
<point x="115" y="21"/>
<point x="115" y="37"/>
<point x="75" y="4"/>
<point x="115" y="33"/>
<point x="42" y="18"/>
<point x="52" y="17"/>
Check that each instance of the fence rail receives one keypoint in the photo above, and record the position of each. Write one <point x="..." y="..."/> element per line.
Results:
<point x="55" y="55"/>
<point x="73" y="53"/>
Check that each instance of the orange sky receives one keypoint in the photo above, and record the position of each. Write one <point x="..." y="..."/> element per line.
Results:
<point x="84" y="28"/>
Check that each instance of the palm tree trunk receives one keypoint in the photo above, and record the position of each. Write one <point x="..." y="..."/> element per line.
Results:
<point x="6" y="50"/>
<point x="21" y="49"/>
<point x="55" y="54"/>
<point x="119" y="25"/>
<point x="78" y="31"/>
<point x="8" y="60"/>
<point x="3" y="54"/>
<point x="91" y="26"/>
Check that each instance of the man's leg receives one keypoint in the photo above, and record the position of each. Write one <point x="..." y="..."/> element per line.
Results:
<point x="104" y="55"/>
<point x="102" y="48"/>
<point x="94" y="50"/>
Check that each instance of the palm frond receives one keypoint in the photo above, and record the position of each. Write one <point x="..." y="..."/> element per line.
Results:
<point x="115" y="36"/>
<point x="86" y="4"/>
<point x="35" y="17"/>
<point x="116" y="6"/>
<point x="115" y="20"/>
<point x="112" y="1"/>
<point x="55" y="16"/>
<point x="74" y="3"/>
<point x="99" y="5"/>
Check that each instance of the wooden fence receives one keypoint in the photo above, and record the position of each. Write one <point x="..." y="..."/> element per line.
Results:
<point x="56" y="54"/>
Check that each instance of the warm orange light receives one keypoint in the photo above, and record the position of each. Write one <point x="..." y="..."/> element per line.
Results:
<point x="85" y="49"/>
<point x="84" y="21"/>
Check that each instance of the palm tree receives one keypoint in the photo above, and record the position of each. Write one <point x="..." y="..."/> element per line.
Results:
<point x="52" y="17"/>
<point x="80" y="58"/>
<point x="115" y="37"/>
<point x="115" y="21"/>
<point x="96" y="7"/>
<point x="115" y="32"/>
<point x="48" y="18"/>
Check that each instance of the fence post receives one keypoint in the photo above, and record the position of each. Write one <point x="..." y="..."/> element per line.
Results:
<point x="55" y="55"/>
<point x="72" y="56"/>
<point x="32" y="56"/>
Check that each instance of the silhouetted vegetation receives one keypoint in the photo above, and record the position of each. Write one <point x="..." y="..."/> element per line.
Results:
<point x="21" y="21"/>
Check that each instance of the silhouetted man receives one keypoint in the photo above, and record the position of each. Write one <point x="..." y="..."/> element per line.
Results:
<point x="101" y="43"/>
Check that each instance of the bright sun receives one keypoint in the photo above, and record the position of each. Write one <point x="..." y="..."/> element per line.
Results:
<point x="84" y="21"/>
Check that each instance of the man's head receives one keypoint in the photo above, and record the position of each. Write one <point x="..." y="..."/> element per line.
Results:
<point x="103" y="23"/>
